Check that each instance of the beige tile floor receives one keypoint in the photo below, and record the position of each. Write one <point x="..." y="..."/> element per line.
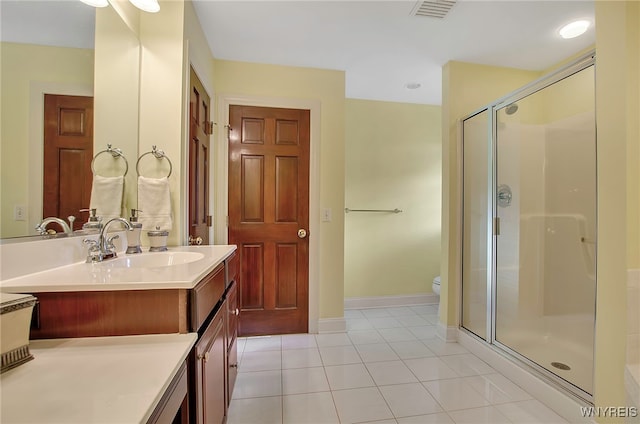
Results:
<point x="389" y="368"/>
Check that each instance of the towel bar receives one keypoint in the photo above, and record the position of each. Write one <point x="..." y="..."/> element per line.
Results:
<point x="396" y="210"/>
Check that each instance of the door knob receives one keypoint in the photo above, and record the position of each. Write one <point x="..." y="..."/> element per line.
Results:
<point x="195" y="241"/>
<point x="302" y="233"/>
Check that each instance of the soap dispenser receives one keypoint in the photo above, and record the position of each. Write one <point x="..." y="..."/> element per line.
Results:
<point x="133" y="237"/>
<point x="94" y="224"/>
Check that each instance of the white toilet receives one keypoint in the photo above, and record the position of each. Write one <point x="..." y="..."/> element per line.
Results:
<point x="435" y="286"/>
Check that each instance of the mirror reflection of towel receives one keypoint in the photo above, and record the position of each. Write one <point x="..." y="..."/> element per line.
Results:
<point x="154" y="202"/>
<point x="106" y="196"/>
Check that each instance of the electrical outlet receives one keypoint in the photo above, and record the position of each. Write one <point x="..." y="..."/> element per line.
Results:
<point x="19" y="213"/>
<point x="326" y="215"/>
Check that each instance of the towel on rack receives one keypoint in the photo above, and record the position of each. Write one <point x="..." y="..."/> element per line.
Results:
<point x="154" y="202"/>
<point x="106" y="196"/>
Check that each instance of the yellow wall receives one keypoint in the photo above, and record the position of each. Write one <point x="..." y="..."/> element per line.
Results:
<point x="250" y="79"/>
<point x="393" y="160"/>
<point x="633" y="135"/>
<point x="116" y="87"/>
<point x="22" y="66"/>
<point x="617" y="46"/>
<point x="465" y="88"/>
<point x="162" y="90"/>
<point x="199" y="53"/>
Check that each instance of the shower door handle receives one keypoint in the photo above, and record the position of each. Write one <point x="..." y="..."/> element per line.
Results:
<point x="504" y="195"/>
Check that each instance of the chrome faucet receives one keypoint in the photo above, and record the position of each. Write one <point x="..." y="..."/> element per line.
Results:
<point x="103" y="248"/>
<point x="42" y="227"/>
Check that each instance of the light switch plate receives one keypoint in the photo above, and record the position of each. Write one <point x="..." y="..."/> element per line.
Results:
<point x="326" y="215"/>
<point x="19" y="213"/>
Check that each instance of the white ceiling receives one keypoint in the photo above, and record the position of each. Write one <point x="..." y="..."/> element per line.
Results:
<point x="68" y="23"/>
<point x="379" y="45"/>
<point x="382" y="47"/>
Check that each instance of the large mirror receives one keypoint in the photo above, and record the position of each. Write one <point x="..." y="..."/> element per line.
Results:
<point x="63" y="47"/>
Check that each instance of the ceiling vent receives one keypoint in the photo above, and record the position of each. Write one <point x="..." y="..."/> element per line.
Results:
<point x="433" y="9"/>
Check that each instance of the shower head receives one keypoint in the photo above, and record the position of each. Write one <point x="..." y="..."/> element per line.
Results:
<point x="511" y="109"/>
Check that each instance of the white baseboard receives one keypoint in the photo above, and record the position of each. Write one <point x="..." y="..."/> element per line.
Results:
<point x="563" y="404"/>
<point x="448" y="334"/>
<point x="332" y="325"/>
<point x="384" y="301"/>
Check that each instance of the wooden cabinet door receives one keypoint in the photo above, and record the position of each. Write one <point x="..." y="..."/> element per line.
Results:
<point x="232" y="336"/>
<point x="210" y="373"/>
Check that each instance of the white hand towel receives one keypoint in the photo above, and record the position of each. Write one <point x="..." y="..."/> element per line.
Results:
<point x="154" y="202"/>
<point x="106" y="196"/>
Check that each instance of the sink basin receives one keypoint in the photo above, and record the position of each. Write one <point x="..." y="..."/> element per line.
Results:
<point x="154" y="260"/>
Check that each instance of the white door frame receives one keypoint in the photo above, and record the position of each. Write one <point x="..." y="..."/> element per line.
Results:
<point x="221" y="209"/>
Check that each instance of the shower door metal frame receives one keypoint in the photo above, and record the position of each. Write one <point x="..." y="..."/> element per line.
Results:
<point x="572" y="68"/>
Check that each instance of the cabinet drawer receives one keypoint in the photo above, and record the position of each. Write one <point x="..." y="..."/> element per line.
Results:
<point x="231" y="268"/>
<point x="206" y="295"/>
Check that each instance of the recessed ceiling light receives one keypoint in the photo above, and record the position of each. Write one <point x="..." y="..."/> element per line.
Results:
<point x="413" y="85"/>
<point x="574" y="29"/>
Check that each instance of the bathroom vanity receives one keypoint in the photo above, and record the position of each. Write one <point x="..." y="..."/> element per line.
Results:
<point x="132" y="379"/>
<point x="189" y="289"/>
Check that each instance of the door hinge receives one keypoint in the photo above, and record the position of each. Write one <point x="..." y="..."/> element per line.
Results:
<point x="209" y="220"/>
<point x="496" y="226"/>
<point x="208" y="127"/>
<point x="226" y="219"/>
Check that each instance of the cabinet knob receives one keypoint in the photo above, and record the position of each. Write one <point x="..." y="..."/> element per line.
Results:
<point x="233" y="366"/>
<point x="237" y="311"/>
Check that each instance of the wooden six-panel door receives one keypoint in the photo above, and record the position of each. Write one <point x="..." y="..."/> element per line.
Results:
<point x="269" y="216"/>
<point x="199" y="132"/>
<point x="68" y="151"/>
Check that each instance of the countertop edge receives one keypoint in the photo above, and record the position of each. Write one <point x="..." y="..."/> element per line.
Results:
<point x="174" y="372"/>
<point x="25" y="287"/>
<point x="53" y="353"/>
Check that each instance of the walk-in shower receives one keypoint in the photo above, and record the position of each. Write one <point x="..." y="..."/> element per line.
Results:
<point x="529" y="225"/>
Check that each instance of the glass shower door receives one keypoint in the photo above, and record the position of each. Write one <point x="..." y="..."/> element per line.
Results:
<point x="476" y="239"/>
<point x="545" y="188"/>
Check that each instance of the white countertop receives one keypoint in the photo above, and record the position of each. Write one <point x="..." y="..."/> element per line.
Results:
<point x="114" y="275"/>
<point x="93" y="380"/>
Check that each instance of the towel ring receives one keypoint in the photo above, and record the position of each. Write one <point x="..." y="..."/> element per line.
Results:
<point x="116" y="153"/>
<point x="159" y="154"/>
